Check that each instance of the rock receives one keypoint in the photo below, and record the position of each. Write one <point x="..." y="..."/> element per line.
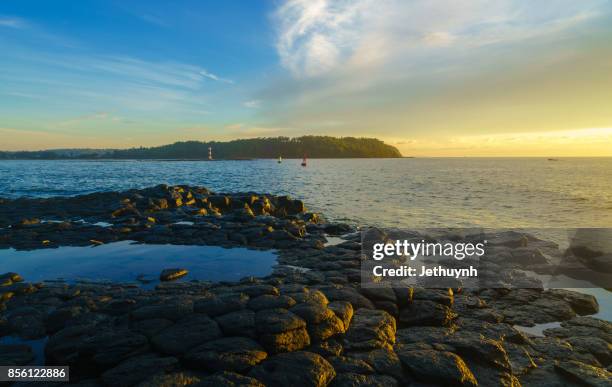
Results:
<point x="322" y="322"/>
<point x="171" y="311"/>
<point x="288" y="341"/>
<point x="172" y="274"/>
<point x="601" y="263"/>
<point x="310" y="296"/>
<point x="221" y="304"/>
<point x="137" y="369"/>
<point x="371" y="329"/>
<point x="583" y="373"/>
<point x="27" y="322"/>
<point x="526" y="307"/>
<point x="86" y="346"/>
<point x="258" y="290"/>
<point x="441" y="296"/>
<point x="15" y="354"/>
<point x="337" y="229"/>
<point x="186" y="334"/>
<point x="343" y="364"/>
<point x="173" y="379"/>
<point x="268" y="301"/>
<point x="480" y="348"/>
<point x="280" y="330"/>
<point x="57" y="319"/>
<point x="427" y="334"/>
<point x="521" y="361"/>
<point x="344" y="311"/>
<point x="384" y="361"/>
<point x="220" y="201"/>
<point x="425" y="312"/>
<point x="150" y="327"/>
<point x="545" y="376"/>
<point x="277" y="321"/>
<point x="228" y="379"/>
<point x="237" y="354"/>
<point x="350" y="295"/>
<point x="294" y="369"/>
<point x="582" y="304"/>
<point x="441" y="367"/>
<point x="239" y="323"/>
<point x="601" y="349"/>
<point x="327" y="348"/>
<point x="9" y="278"/>
<point x="355" y="380"/>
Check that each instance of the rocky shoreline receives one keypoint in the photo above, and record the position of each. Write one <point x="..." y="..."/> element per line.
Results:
<point x="308" y="323"/>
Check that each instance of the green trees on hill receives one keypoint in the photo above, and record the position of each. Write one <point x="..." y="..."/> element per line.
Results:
<point x="270" y="147"/>
<point x="312" y="146"/>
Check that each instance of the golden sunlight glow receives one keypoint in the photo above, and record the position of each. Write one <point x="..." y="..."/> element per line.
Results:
<point x="589" y="142"/>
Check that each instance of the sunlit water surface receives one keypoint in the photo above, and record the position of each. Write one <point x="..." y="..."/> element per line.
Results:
<point x="439" y="192"/>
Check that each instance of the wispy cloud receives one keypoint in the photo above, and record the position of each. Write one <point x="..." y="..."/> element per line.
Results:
<point x="98" y="116"/>
<point x="215" y="77"/>
<point x="252" y="104"/>
<point x="12" y="22"/>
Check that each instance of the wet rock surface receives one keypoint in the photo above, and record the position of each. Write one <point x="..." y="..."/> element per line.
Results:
<point x="308" y="323"/>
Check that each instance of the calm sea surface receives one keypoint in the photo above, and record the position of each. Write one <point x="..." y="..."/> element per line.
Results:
<point x="440" y="192"/>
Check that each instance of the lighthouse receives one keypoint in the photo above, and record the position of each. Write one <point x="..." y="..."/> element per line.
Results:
<point x="210" y="152"/>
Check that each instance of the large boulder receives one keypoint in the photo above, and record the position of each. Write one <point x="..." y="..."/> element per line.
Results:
<point x="295" y="369"/>
<point x="322" y="321"/>
<point x="442" y="367"/>
<point x="217" y="305"/>
<point x="89" y="346"/>
<point x="236" y="354"/>
<point x="371" y="329"/>
<point x="281" y="331"/>
<point x="584" y="374"/>
<point x="425" y="312"/>
<point x="137" y="369"/>
<point x="239" y="323"/>
<point x="186" y="334"/>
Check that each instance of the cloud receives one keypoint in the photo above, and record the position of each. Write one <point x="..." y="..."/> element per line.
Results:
<point x="13" y="22"/>
<point x="316" y="37"/>
<point x="440" y="38"/>
<point x="252" y="104"/>
<point x="98" y="116"/>
<point x="214" y="77"/>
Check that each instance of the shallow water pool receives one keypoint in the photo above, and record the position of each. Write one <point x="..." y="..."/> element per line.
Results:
<point x="127" y="261"/>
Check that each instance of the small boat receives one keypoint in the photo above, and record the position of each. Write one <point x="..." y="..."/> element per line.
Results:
<point x="553" y="159"/>
<point x="304" y="161"/>
<point x="280" y="160"/>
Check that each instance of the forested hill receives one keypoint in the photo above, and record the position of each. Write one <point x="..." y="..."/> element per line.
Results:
<point x="311" y="146"/>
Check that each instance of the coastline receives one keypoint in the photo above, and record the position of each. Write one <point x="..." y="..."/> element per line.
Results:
<point x="309" y="321"/>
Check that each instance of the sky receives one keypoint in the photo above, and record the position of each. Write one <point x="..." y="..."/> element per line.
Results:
<point x="431" y="77"/>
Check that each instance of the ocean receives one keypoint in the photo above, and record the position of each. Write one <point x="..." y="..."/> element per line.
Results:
<point x="410" y="192"/>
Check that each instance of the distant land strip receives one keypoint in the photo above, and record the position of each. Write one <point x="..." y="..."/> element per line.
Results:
<point x="253" y="148"/>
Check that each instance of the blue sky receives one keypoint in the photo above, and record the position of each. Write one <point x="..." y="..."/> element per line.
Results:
<point x="431" y="77"/>
<point x="152" y="62"/>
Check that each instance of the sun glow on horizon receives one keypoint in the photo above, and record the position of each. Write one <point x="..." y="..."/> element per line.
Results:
<point x="588" y="142"/>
